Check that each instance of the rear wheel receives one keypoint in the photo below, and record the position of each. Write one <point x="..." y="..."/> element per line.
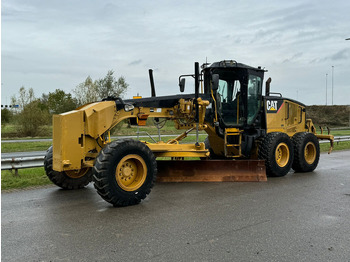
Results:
<point x="72" y="179"/>
<point x="277" y="151"/>
<point x="124" y="172"/>
<point x="306" y="152"/>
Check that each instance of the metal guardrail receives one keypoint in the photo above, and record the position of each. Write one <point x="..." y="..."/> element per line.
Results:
<point x="21" y="162"/>
<point x="38" y="161"/>
<point x="337" y="139"/>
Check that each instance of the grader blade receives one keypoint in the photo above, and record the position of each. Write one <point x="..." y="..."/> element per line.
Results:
<point x="211" y="171"/>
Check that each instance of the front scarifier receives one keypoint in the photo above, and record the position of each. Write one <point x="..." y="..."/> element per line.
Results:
<point x="249" y="135"/>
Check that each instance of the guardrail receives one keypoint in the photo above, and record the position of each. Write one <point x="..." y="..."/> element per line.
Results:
<point x="337" y="139"/>
<point x="38" y="161"/>
<point x="21" y="162"/>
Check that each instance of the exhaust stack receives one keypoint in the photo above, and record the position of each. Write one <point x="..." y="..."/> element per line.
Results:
<point x="153" y="89"/>
<point x="267" y="88"/>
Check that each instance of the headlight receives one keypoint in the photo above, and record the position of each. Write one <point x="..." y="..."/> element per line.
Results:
<point x="128" y="107"/>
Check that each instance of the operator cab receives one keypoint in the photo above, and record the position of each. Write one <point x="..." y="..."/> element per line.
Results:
<point x="237" y="91"/>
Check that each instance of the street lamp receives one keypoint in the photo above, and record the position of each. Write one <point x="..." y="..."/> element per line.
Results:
<point x="326" y="87"/>
<point x="332" y="82"/>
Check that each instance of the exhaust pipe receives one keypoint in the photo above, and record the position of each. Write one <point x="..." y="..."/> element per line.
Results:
<point x="153" y="89"/>
<point x="267" y="88"/>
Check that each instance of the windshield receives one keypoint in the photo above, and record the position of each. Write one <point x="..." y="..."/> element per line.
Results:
<point x="254" y="95"/>
<point x="238" y="98"/>
<point x="230" y="103"/>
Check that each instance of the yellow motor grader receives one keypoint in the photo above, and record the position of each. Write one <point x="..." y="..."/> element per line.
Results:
<point x="249" y="135"/>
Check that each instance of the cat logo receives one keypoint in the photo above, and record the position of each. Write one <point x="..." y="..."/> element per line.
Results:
<point x="271" y="105"/>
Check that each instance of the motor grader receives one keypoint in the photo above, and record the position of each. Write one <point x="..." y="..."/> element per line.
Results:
<point x="249" y="135"/>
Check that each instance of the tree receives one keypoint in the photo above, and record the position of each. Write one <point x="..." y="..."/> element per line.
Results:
<point x="33" y="115"/>
<point x="86" y="92"/>
<point x="109" y="86"/>
<point x="25" y="97"/>
<point x="59" y="102"/>
<point x="92" y="91"/>
<point x="32" y="119"/>
<point x="6" y="116"/>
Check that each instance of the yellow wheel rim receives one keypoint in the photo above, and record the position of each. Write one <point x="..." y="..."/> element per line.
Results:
<point x="282" y="154"/>
<point x="310" y="153"/>
<point x="131" y="172"/>
<point x="77" y="173"/>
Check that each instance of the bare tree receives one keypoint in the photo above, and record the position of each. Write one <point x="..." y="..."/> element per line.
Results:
<point x="92" y="91"/>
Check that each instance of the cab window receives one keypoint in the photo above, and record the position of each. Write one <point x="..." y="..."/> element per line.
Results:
<point x="254" y="95"/>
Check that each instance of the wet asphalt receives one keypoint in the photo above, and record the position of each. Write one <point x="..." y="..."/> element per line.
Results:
<point x="299" y="217"/>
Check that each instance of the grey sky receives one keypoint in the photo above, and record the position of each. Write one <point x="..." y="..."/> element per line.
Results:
<point x="50" y="45"/>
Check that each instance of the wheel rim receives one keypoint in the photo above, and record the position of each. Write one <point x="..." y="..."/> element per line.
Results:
<point x="282" y="155"/>
<point x="310" y="153"/>
<point x="131" y="172"/>
<point x="77" y="173"/>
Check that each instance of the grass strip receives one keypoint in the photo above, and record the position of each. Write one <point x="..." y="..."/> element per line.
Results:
<point x="26" y="178"/>
<point x="25" y="146"/>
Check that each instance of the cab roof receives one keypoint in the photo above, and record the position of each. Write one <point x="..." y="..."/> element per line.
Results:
<point x="233" y="64"/>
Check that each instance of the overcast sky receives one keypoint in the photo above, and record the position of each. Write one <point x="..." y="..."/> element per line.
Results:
<point x="50" y="45"/>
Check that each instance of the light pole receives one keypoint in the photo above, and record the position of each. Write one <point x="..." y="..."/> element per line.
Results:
<point x="332" y="82"/>
<point x="326" y="87"/>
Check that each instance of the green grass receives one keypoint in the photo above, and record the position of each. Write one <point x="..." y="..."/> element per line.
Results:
<point x="26" y="178"/>
<point x="345" y="145"/>
<point x="345" y="132"/>
<point x="25" y="146"/>
<point x="11" y="131"/>
<point x="8" y="128"/>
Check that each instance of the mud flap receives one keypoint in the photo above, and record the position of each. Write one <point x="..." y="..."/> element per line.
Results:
<point x="211" y="171"/>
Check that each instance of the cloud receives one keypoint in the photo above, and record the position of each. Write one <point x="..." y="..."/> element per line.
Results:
<point x="68" y="40"/>
<point x="293" y="58"/>
<point x="341" y="55"/>
<point x="135" y="62"/>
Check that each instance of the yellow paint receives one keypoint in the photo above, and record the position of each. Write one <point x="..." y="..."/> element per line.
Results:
<point x="282" y="154"/>
<point x="79" y="135"/>
<point x="289" y="119"/>
<point x="131" y="172"/>
<point x="310" y="153"/>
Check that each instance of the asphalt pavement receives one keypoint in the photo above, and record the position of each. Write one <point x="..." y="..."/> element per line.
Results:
<point x="299" y="217"/>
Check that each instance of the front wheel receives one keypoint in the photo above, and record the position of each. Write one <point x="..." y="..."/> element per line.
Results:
<point x="306" y="152"/>
<point x="277" y="151"/>
<point x="72" y="179"/>
<point x="124" y="172"/>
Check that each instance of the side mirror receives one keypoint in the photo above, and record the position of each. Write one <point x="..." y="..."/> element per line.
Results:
<point x="182" y="85"/>
<point x="215" y="82"/>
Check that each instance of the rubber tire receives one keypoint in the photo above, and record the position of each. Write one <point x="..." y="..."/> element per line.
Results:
<point x="60" y="178"/>
<point x="105" y="168"/>
<point x="267" y="151"/>
<point x="300" y="140"/>
<point x="207" y="146"/>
